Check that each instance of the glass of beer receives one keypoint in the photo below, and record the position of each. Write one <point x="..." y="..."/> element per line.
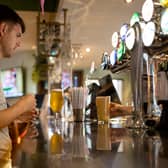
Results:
<point x="102" y="105"/>
<point x="56" y="101"/>
<point x="56" y="144"/>
<point x="56" y="140"/>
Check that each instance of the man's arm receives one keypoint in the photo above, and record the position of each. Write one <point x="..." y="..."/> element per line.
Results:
<point x="25" y="104"/>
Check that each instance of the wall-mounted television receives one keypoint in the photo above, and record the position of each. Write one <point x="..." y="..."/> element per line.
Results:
<point x="12" y="82"/>
<point x="66" y="80"/>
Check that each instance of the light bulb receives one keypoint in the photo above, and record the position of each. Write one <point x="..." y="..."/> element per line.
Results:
<point x="87" y="49"/>
<point x="128" y="1"/>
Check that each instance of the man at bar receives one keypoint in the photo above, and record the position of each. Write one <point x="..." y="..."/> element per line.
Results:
<point x="11" y="29"/>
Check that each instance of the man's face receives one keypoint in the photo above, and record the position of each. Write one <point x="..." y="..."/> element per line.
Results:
<point x="10" y="39"/>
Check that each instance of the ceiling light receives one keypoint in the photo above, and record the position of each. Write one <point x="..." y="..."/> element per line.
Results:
<point x="68" y="63"/>
<point x="87" y="49"/>
<point x="76" y="55"/>
<point x="128" y="1"/>
<point x="51" y="60"/>
<point x="34" y="47"/>
<point x="74" y="63"/>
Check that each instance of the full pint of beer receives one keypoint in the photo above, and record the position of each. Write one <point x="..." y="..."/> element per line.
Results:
<point x="56" y="144"/>
<point x="56" y="100"/>
<point x="102" y="105"/>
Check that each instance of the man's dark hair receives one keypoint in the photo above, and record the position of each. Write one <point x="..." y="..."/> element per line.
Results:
<point x="9" y="15"/>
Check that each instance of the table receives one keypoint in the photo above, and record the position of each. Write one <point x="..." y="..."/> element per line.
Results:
<point x="92" y="145"/>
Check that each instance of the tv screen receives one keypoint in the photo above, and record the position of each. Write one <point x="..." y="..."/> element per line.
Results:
<point x="66" y="80"/>
<point x="12" y="82"/>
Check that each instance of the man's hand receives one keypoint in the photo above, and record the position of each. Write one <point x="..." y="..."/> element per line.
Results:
<point x="27" y="103"/>
<point x="32" y="131"/>
<point x="28" y="116"/>
<point x="116" y="109"/>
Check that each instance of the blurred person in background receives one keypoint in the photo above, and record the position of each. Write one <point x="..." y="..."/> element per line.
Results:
<point x="41" y="91"/>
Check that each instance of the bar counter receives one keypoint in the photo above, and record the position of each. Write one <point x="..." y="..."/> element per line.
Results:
<point x="92" y="145"/>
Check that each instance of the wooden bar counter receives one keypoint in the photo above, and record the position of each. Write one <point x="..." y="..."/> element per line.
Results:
<point x="92" y="145"/>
